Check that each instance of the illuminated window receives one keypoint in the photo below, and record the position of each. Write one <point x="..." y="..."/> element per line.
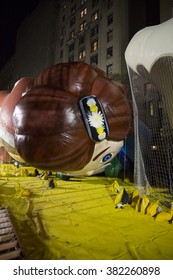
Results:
<point x="109" y="35"/>
<point x="82" y="25"/>
<point x="154" y="148"/>
<point x="82" y="54"/>
<point x="95" y="16"/>
<point x="72" y="34"/>
<point x="83" y="12"/>
<point x="110" y="19"/>
<point x="94" y="46"/>
<point x="151" y="108"/>
<point x="82" y="2"/>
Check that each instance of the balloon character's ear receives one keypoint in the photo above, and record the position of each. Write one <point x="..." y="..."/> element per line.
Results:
<point x="94" y="118"/>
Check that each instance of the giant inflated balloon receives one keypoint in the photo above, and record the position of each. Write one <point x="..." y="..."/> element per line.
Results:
<point x="150" y="54"/>
<point x="71" y="118"/>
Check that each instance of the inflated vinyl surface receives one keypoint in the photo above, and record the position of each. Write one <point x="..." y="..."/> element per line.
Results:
<point x="77" y="220"/>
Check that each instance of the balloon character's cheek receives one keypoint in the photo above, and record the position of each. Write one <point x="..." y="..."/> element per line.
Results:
<point x="106" y="158"/>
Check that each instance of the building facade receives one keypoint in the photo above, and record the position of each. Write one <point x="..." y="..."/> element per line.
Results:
<point x="6" y="75"/>
<point x="95" y="32"/>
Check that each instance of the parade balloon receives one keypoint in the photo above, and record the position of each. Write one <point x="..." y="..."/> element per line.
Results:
<point x="114" y="168"/>
<point x="71" y="118"/>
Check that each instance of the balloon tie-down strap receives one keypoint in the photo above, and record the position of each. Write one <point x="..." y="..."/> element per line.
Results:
<point x="157" y="203"/>
<point x="10" y="248"/>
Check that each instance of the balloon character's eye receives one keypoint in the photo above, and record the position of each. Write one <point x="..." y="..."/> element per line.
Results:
<point x="107" y="157"/>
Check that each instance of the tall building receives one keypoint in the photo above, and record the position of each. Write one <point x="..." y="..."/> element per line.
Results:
<point x="94" y="31"/>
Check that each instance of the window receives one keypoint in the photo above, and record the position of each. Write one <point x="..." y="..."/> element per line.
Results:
<point x="72" y="34"/>
<point x="63" y="32"/>
<point x="82" y="54"/>
<point x="82" y="2"/>
<point x="82" y="25"/>
<point x="71" y="47"/>
<point x="110" y="19"/>
<point x="110" y="3"/>
<point x="94" y="46"/>
<point x="94" y="30"/>
<point x="81" y="40"/>
<point x="95" y="16"/>
<point x="73" y="9"/>
<point x="83" y="12"/>
<point x="151" y="109"/>
<point x="109" y="69"/>
<point x="72" y="21"/>
<point x="94" y="3"/>
<point x="160" y="104"/>
<point x="109" y="52"/>
<point x="109" y="35"/>
<point x="62" y="42"/>
<point x="148" y="88"/>
<point x="71" y="58"/>
<point x="61" y="54"/>
<point x="94" y="60"/>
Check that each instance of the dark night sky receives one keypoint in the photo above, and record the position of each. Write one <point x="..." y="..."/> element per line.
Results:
<point x="13" y="12"/>
<point x="12" y="15"/>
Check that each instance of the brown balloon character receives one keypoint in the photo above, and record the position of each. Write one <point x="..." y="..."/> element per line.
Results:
<point x="71" y="118"/>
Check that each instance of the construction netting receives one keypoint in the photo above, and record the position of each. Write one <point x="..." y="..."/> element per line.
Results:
<point x="153" y="164"/>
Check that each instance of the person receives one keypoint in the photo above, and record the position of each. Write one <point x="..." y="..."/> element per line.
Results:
<point x="71" y="118"/>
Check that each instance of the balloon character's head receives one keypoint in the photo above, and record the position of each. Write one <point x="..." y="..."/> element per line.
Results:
<point x="71" y="119"/>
